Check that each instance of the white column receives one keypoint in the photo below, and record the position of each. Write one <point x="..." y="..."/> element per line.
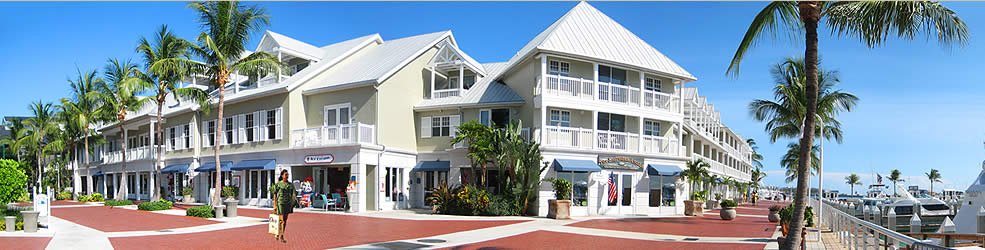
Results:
<point x="280" y="58"/>
<point x="153" y="141"/>
<point x="136" y="183"/>
<point x="432" y="82"/>
<point x="680" y="138"/>
<point x="543" y="71"/>
<point x="461" y="78"/>
<point x="639" y="144"/>
<point x="595" y="129"/>
<point x="642" y="88"/>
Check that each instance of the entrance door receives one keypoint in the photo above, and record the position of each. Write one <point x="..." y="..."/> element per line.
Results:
<point x="372" y="188"/>
<point x="626" y="184"/>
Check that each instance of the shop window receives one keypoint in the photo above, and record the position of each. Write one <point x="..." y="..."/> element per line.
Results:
<point x="627" y="190"/>
<point x="663" y="190"/>
<point x="579" y="187"/>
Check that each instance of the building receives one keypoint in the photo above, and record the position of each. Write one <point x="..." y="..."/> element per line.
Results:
<point x="378" y="115"/>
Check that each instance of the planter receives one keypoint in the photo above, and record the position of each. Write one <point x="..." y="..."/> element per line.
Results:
<point x="10" y="221"/>
<point x="231" y="206"/>
<point x="774" y="216"/>
<point x="711" y="204"/>
<point x="727" y="213"/>
<point x="218" y="211"/>
<point x="693" y="208"/>
<point x="559" y="209"/>
<point x="30" y="221"/>
<point x="187" y="199"/>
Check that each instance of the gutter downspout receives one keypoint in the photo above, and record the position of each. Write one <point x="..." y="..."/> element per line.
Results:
<point x="379" y="156"/>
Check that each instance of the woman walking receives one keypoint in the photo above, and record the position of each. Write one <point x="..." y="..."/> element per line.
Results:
<point x="284" y="200"/>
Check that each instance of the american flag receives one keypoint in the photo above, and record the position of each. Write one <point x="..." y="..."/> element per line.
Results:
<point x="612" y="188"/>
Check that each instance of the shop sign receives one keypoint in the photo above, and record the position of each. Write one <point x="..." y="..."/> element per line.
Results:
<point x="317" y="159"/>
<point x="621" y="162"/>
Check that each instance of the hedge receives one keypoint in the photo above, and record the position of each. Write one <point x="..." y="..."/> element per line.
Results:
<point x="63" y="195"/>
<point x="200" y="211"/>
<point x="12" y="182"/>
<point x="96" y="197"/>
<point x="115" y="203"/>
<point x="84" y="198"/>
<point x="155" y="205"/>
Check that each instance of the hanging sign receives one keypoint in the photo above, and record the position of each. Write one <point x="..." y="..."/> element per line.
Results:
<point x="315" y="159"/>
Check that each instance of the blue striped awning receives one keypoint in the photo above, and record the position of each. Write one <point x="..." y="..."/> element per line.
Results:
<point x="432" y="166"/>
<point x="210" y="166"/>
<point x="663" y="170"/>
<point x="176" y="168"/>
<point x="265" y="164"/>
<point x="567" y="165"/>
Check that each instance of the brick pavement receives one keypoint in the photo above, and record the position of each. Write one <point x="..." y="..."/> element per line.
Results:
<point x="24" y="242"/>
<point x="109" y="219"/>
<point x="558" y="240"/>
<point x="709" y="225"/>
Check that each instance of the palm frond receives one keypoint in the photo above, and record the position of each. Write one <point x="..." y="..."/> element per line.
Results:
<point x="874" y="22"/>
<point x="780" y="17"/>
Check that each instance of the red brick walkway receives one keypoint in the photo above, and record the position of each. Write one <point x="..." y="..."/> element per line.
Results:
<point x="108" y="219"/>
<point x="709" y="225"/>
<point x="306" y="231"/>
<point x="65" y="202"/>
<point x="24" y="242"/>
<point x="557" y="240"/>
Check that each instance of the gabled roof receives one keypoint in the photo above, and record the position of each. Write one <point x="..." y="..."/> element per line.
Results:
<point x="586" y="31"/>
<point x="332" y="55"/>
<point x="486" y="91"/>
<point x="378" y="63"/>
<point x="292" y="44"/>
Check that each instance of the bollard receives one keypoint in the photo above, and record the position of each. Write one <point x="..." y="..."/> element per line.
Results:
<point x="915" y="224"/>
<point x="876" y="215"/>
<point x="981" y="220"/>
<point x="218" y="211"/>
<point x="10" y="221"/>
<point x="231" y="206"/>
<point x="891" y="219"/>
<point x="947" y="226"/>
<point x="30" y="221"/>
<point x="867" y="213"/>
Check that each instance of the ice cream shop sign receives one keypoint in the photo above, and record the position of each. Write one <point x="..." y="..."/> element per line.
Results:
<point x="319" y="159"/>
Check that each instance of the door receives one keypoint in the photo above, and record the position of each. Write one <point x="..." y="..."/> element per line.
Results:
<point x="337" y="119"/>
<point x="626" y="184"/>
<point x="372" y="188"/>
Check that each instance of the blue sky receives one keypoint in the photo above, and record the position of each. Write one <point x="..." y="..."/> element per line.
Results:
<point x="920" y="108"/>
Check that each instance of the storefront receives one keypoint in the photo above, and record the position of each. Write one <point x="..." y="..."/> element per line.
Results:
<point x="427" y="175"/>
<point x="256" y="177"/>
<point x="663" y="182"/>
<point x="579" y="173"/>
<point x="176" y="178"/>
<point x="206" y="179"/>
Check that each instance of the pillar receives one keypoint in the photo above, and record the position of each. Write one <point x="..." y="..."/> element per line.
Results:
<point x="915" y="224"/>
<point x="891" y="219"/>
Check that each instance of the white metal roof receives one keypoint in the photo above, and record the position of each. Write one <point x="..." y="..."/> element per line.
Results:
<point x="293" y="44"/>
<point x="586" y="31"/>
<point x="486" y="91"/>
<point x="331" y="55"/>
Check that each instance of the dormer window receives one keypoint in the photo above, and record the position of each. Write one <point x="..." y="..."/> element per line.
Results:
<point x="452" y="72"/>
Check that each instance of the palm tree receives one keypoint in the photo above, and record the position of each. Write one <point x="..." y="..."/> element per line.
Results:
<point x="167" y="63"/>
<point x="933" y="176"/>
<point x="119" y="95"/>
<point x="83" y="106"/>
<point x="895" y="176"/>
<point x="757" y="159"/>
<point x="729" y="185"/>
<point x="872" y="22"/>
<point x="227" y="27"/>
<point x="756" y="177"/>
<point x="481" y="146"/>
<point x="792" y="157"/>
<point x="40" y="127"/>
<point x="695" y="172"/>
<point x="853" y="180"/>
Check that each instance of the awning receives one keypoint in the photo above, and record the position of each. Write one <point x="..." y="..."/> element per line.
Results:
<point x="176" y="168"/>
<point x="432" y="166"/>
<point x="210" y="166"/>
<point x="663" y="170"/>
<point x="567" y="165"/>
<point x="265" y="164"/>
<point x="98" y="173"/>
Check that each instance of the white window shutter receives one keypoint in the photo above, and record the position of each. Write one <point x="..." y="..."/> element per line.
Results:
<point x="181" y="138"/>
<point x="256" y="126"/>
<point x="262" y="131"/>
<point x="454" y="121"/>
<point x="280" y="122"/>
<point x="426" y="127"/>
<point x="167" y="139"/>
<point x="205" y="134"/>
<point x="240" y="128"/>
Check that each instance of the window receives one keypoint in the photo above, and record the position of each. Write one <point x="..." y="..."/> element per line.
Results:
<point x="209" y="136"/>
<point x="579" y="187"/>
<point x="272" y="124"/>
<point x="228" y="138"/>
<point x="250" y="127"/>
<point x="652" y="84"/>
<point x="449" y="83"/>
<point x="612" y="75"/>
<point x="441" y="126"/>
<point x="612" y="122"/>
<point x="257" y="182"/>
<point x="627" y="190"/>
<point x="394" y="177"/>
<point x="558" y="68"/>
<point x="469" y="81"/>
<point x="300" y="66"/>
<point x="431" y="181"/>
<point x="172" y="132"/>
<point x="145" y="183"/>
<point x="186" y="136"/>
<point x="651" y="128"/>
<point x="453" y="82"/>
<point x="485" y="117"/>
<point x="500" y="117"/>
<point x="560" y="118"/>
<point x="662" y="190"/>
<point x="337" y="115"/>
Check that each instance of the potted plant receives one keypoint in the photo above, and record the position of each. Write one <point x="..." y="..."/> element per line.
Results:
<point x="774" y="215"/>
<point x="186" y="194"/>
<point x="728" y="209"/>
<point x="695" y="173"/>
<point x="713" y="204"/>
<point x="693" y="207"/>
<point x="560" y="207"/>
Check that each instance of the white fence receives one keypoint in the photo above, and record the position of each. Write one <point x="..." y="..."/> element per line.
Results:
<point x="333" y="135"/>
<point x="588" y="89"/>
<point x="860" y="234"/>
<point x="585" y="138"/>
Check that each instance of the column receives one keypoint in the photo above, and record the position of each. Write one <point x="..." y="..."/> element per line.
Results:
<point x="280" y="59"/>
<point x="543" y="72"/>
<point x="152" y="176"/>
<point x="357" y="200"/>
<point x="595" y="129"/>
<point x="642" y="88"/>
<point x="136" y="183"/>
<point x="116" y="185"/>
<point x="432" y="81"/>
<point x="461" y="78"/>
<point x="153" y="141"/>
<point x="639" y="145"/>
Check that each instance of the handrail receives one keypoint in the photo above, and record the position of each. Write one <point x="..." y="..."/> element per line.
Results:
<point x="858" y="233"/>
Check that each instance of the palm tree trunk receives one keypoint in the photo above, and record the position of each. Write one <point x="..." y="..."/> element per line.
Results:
<point x="123" y="180"/>
<point x="155" y="194"/>
<point x="810" y="14"/>
<point x="86" y="160"/>
<point x="221" y="82"/>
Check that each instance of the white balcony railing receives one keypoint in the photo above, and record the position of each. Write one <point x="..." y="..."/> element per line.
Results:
<point x="445" y="93"/>
<point x="588" y="89"/>
<point x="719" y="168"/>
<point x="133" y="154"/>
<point x="334" y="135"/>
<point x="584" y="138"/>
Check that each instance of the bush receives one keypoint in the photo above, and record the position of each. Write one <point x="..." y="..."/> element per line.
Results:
<point x="699" y="196"/>
<point x="200" y="211"/>
<point x="229" y="191"/>
<point x="12" y="182"/>
<point x="775" y="208"/>
<point x="728" y="203"/>
<point x="461" y="200"/>
<point x="562" y="189"/>
<point x="786" y="214"/>
<point x="96" y="197"/>
<point x="187" y="191"/>
<point x="718" y="197"/>
<point x="116" y="203"/>
<point x="84" y="198"/>
<point x="63" y="195"/>
<point x="155" y="205"/>
<point x="501" y="205"/>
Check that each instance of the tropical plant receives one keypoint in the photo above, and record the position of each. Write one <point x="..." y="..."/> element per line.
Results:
<point x="13" y="181"/>
<point x="757" y="159"/>
<point x="119" y="95"/>
<point x="200" y="211"/>
<point x="97" y="197"/>
<point x="791" y="158"/>
<point x="727" y="203"/>
<point x="40" y="128"/>
<point x="933" y="176"/>
<point x="186" y="190"/>
<point x="167" y="62"/>
<point x="521" y="160"/>
<point x="83" y="107"/>
<point x="562" y="188"/>
<point x="481" y="146"/>
<point x="695" y="172"/>
<point x="895" y="176"/>
<point x="872" y="22"/>
<point x="756" y="177"/>
<point x="227" y="27"/>
<point x="853" y="180"/>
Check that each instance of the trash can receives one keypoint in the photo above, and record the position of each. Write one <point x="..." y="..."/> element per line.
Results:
<point x="231" y="207"/>
<point x="10" y="221"/>
<point x="30" y="221"/>
<point x="218" y="211"/>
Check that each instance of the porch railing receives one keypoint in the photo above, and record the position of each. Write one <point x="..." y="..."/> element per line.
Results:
<point x="588" y="89"/>
<point x="334" y="135"/>
<point x="133" y="154"/>
<point x="586" y="138"/>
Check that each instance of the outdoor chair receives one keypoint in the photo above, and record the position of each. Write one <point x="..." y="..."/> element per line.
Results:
<point x="337" y="201"/>
<point x="327" y="202"/>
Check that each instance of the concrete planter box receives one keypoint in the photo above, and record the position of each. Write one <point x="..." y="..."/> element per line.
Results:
<point x="231" y="206"/>
<point x="218" y="211"/>
<point x="559" y="209"/>
<point x="30" y="221"/>
<point x="774" y="216"/>
<point x="693" y="208"/>
<point x="187" y="199"/>
<point x="10" y="222"/>
<point x="727" y="213"/>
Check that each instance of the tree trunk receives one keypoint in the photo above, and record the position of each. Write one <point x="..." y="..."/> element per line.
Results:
<point x="221" y="83"/>
<point x="86" y="160"/>
<point x="159" y="154"/>
<point x="123" y="179"/>
<point x="810" y="14"/>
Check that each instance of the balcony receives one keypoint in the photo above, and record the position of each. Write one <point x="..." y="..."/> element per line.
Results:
<point x="334" y="135"/>
<point x="620" y="142"/>
<point x="133" y="154"/>
<point x="722" y="169"/>
<point x="446" y="93"/>
<point x="588" y="89"/>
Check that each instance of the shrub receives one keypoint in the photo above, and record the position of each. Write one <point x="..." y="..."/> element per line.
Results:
<point x="728" y="203"/>
<point x="12" y="182"/>
<point x="502" y="205"/>
<point x="116" y="203"/>
<point x="699" y="196"/>
<point x="97" y="197"/>
<point x="461" y="200"/>
<point x="200" y="211"/>
<point x="187" y="191"/>
<point x="25" y="197"/>
<point x="775" y="208"/>
<point x="562" y="189"/>
<point x="229" y="191"/>
<point x="154" y="205"/>
<point x="63" y="195"/>
<point x="786" y="214"/>
<point x="84" y="198"/>
<point x="718" y="197"/>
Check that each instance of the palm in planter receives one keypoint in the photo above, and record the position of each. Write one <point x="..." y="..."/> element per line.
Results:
<point x="560" y="206"/>
<point x="696" y="172"/>
<point x="728" y="209"/>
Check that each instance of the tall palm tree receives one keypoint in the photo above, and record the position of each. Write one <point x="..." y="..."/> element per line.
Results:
<point x="729" y="184"/>
<point x="695" y="171"/>
<point x="41" y="126"/>
<point x="227" y="27"/>
<point x="83" y="106"/>
<point x="792" y="157"/>
<point x="119" y="95"/>
<point x="933" y="176"/>
<point x="853" y="180"/>
<point x="872" y="22"/>
<point x="481" y="146"/>
<point x="167" y="62"/>
<point x="757" y="159"/>
<point x="70" y="136"/>
<point x="895" y="176"/>
<point x="756" y="177"/>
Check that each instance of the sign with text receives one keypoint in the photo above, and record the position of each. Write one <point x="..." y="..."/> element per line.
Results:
<point x="319" y="159"/>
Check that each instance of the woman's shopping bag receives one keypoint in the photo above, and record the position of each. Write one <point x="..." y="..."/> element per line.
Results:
<point x="273" y="227"/>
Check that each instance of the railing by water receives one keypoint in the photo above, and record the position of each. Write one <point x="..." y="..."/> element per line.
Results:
<point x="860" y="234"/>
